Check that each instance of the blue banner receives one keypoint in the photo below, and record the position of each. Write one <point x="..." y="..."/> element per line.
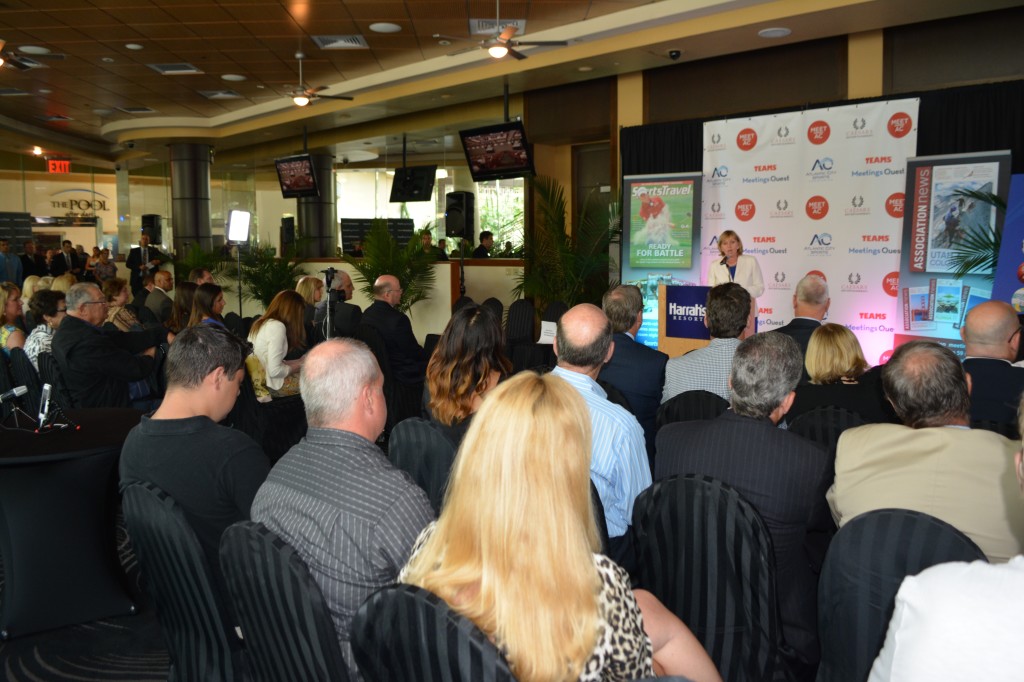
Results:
<point x="684" y="312"/>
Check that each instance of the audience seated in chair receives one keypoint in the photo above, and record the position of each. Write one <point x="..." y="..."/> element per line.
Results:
<point x="932" y="463"/>
<point x="408" y="360"/>
<point x="467" y="363"/>
<point x="783" y="476"/>
<point x="211" y="471"/>
<point x="514" y="548"/>
<point x="691" y="406"/>
<point x="422" y="449"/>
<point x="619" y="466"/>
<point x="991" y="334"/>
<point x="279" y="334"/>
<point x="839" y="376"/>
<point x="334" y="497"/>
<point x="345" y="316"/>
<point x="810" y="306"/>
<point x="49" y="309"/>
<point x="98" y="365"/>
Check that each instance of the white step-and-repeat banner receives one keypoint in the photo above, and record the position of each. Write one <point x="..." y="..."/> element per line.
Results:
<point x="816" y="191"/>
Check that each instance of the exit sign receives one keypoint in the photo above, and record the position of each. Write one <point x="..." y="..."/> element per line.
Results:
<point x="58" y="165"/>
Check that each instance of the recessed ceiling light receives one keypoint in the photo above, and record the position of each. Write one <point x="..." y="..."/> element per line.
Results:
<point x="103" y="112"/>
<point x="133" y="46"/>
<point x="45" y="91"/>
<point x="776" y="32"/>
<point x="446" y="95"/>
<point x="385" y="27"/>
<point x="444" y="43"/>
<point x="38" y="151"/>
<point x="150" y="159"/>
<point x="233" y="77"/>
<point x="33" y="49"/>
<point x="107" y="60"/>
<point x="585" y="69"/>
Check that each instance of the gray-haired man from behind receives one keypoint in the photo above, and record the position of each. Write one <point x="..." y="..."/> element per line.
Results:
<point x="334" y="497"/>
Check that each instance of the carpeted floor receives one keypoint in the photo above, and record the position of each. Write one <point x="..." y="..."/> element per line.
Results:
<point x="118" y="649"/>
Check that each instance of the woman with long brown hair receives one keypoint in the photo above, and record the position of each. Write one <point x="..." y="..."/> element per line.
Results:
<point x="207" y="306"/>
<point x="279" y="333"/>
<point x="469" y="361"/>
<point x="184" y="293"/>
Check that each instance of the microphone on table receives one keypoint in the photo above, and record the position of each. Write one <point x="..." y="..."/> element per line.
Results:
<point x="16" y="392"/>
<point x="44" y="405"/>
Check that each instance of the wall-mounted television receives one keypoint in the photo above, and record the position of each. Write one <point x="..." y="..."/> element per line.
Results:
<point x="295" y="173"/>
<point x="498" y="151"/>
<point x="413" y="183"/>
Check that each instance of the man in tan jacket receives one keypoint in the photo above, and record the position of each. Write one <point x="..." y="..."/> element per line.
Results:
<point x="933" y="463"/>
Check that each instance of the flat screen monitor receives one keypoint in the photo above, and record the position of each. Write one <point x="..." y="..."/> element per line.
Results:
<point x="295" y="173"/>
<point x="238" y="226"/>
<point x="498" y="151"/>
<point x="413" y="183"/>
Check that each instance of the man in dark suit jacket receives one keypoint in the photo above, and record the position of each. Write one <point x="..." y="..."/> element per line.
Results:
<point x="33" y="263"/>
<point x="636" y="370"/>
<point x="408" y="359"/>
<point x="345" y="316"/>
<point x="810" y="305"/>
<point x="66" y="261"/>
<point x="98" y="364"/>
<point x="486" y="244"/>
<point x="781" y="474"/>
<point x="141" y="260"/>
<point x="991" y="333"/>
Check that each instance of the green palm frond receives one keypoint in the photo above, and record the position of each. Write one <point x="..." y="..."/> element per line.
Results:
<point x="382" y="255"/>
<point x="978" y="250"/>
<point x="572" y="268"/>
<point x="263" y="274"/>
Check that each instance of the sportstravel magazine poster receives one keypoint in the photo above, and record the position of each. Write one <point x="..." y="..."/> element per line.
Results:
<point x="657" y="240"/>
<point x="938" y="218"/>
<point x="661" y="223"/>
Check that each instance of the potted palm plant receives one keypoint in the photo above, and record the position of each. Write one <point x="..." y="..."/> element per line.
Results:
<point x="382" y="255"/>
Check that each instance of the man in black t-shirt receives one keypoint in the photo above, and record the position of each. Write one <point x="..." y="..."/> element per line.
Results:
<point x="211" y="471"/>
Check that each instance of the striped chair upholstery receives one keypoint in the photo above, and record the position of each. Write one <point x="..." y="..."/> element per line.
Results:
<point x="288" y="629"/>
<point x="865" y="565"/>
<point x="24" y="373"/>
<point x="707" y="555"/>
<point x="175" y="573"/>
<point x="402" y="400"/>
<point x="824" y="424"/>
<point x="49" y="373"/>
<point x="407" y="633"/>
<point x="691" y="406"/>
<point x="424" y="453"/>
<point x="599" y="517"/>
<point x="6" y="384"/>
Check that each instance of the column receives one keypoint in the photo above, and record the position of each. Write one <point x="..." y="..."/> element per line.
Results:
<point x="317" y="216"/>
<point x="190" y="196"/>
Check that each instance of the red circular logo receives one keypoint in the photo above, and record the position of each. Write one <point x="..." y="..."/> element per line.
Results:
<point x="891" y="283"/>
<point x="817" y="207"/>
<point x="899" y="124"/>
<point x="884" y="357"/>
<point x="818" y="273"/>
<point x="746" y="139"/>
<point x="894" y="204"/>
<point x="818" y="132"/>
<point x="745" y="209"/>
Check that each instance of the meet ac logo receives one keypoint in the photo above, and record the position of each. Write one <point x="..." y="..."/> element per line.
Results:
<point x="816" y="207"/>
<point x="900" y="124"/>
<point x="745" y="209"/>
<point x="818" y="132"/>
<point x="746" y="139"/>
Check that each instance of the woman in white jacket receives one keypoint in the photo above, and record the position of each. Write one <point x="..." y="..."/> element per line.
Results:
<point x="279" y="333"/>
<point x="735" y="267"/>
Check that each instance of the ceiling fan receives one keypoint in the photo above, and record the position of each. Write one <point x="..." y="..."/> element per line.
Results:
<point x="502" y="43"/>
<point x="305" y="94"/>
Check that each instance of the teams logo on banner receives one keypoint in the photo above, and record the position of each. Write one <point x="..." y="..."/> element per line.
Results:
<point x="822" y="191"/>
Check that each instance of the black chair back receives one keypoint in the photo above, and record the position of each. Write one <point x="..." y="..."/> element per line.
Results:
<point x="287" y="626"/>
<point x="615" y="396"/>
<point x="707" y="555"/>
<point x="175" y="573"/>
<point x="554" y="311"/>
<point x="49" y="373"/>
<point x="147" y="317"/>
<point x="407" y="633"/>
<point x="691" y="406"/>
<point x="496" y="307"/>
<point x="824" y="424"/>
<point x="461" y="302"/>
<point x="865" y="565"/>
<point x="24" y="373"/>
<point x="1005" y="429"/>
<point x="421" y="450"/>
<point x="519" y="325"/>
<point x="6" y="384"/>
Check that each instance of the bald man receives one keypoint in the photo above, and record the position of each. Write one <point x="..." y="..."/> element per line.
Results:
<point x="618" y="466"/>
<point x="407" y="357"/>
<point x="159" y="299"/>
<point x="991" y="333"/>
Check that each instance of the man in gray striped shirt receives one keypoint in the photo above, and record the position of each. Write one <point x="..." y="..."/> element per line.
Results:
<point x="334" y="497"/>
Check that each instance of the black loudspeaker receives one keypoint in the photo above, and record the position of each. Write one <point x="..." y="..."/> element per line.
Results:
<point x="458" y="214"/>
<point x="287" y="231"/>
<point x="152" y="226"/>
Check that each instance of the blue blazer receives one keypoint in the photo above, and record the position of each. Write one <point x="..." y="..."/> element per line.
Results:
<point x="639" y="374"/>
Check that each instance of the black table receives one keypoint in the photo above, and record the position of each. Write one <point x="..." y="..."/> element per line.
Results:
<point x="58" y="500"/>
